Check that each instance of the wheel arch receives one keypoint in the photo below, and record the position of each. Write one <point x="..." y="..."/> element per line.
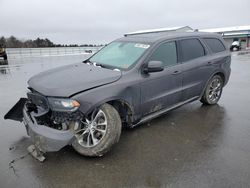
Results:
<point x="123" y="107"/>
<point x="220" y="73"/>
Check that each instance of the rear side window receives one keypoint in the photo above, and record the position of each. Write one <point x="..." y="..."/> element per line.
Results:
<point x="166" y="53"/>
<point x="191" y="49"/>
<point x="215" y="45"/>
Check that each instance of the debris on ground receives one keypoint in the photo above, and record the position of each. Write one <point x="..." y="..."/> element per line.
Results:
<point x="36" y="153"/>
<point x="12" y="148"/>
<point x="11" y="163"/>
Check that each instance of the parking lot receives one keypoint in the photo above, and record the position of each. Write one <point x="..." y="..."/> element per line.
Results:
<point x="192" y="146"/>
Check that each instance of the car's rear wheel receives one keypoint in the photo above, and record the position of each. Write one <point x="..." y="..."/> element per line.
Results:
<point x="95" y="135"/>
<point x="213" y="90"/>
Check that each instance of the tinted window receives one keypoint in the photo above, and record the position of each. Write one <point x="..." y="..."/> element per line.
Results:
<point x="191" y="49"/>
<point x="166" y="53"/>
<point x="215" y="45"/>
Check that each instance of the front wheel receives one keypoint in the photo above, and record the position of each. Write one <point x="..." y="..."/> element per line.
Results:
<point x="95" y="135"/>
<point x="213" y="90"/>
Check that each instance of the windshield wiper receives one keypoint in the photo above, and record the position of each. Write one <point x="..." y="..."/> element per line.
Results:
<point x="93" y="63"/>
<point x="98" y="64"/>
<point x="105" y="66"/>
<point x="87" y="61"/>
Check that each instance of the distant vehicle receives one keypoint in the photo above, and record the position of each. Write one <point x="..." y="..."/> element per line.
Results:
<point x="235" y="46"/>
<point x="130" y="81"/>
<point x="88" y="51"/>
<point x="3" y="52"/>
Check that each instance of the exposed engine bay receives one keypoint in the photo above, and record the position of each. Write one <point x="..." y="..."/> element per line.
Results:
<point x="45" y="116"/>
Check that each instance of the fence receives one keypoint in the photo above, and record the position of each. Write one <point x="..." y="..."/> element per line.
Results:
<point x="55" y="51"/>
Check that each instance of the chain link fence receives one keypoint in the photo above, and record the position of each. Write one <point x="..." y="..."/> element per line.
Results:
<point x="14" y="53"/>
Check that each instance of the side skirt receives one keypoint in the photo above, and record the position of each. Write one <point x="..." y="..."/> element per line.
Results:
<point x="163" y="111"/>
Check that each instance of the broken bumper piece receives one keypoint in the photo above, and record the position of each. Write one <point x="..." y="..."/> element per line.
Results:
<point x="45" y="139"/>
<point x="36" y="153"/>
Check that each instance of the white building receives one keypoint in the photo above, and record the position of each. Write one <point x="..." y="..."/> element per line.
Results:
<point x="236" y="33"/>
<point x="230" y="34"/>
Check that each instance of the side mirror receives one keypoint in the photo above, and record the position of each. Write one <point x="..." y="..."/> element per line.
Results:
<point x="154" y="66"/>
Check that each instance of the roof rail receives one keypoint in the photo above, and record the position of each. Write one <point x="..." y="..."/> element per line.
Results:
<point x="160" y="30"/>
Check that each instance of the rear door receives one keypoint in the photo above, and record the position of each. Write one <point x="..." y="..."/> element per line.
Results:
<point x="162" y="89"/>
<point x="196" y="67"/>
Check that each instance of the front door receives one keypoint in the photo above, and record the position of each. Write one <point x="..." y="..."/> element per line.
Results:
<point x="162" y="89"/>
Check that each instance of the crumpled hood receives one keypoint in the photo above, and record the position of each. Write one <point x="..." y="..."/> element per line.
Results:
<point x="68" y="80"/>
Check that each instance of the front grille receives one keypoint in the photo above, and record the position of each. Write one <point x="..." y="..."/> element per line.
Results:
<point x="61" y="117"/>
<point x="38" y="100"/>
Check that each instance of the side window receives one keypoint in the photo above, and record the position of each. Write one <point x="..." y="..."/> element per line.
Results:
<point x="166" y="53"/>
<point x="191" y="49"/>
<point x="215" y="45"/>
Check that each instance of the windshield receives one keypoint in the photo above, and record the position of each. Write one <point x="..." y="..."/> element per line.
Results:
<point x="119" y="54"/>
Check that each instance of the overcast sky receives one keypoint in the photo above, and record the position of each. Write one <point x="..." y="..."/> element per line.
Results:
<point x="100" y="21"/>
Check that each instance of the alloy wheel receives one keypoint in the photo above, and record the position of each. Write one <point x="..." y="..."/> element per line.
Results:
<point x="215" y="89"/>
<point x="89" y="132"/>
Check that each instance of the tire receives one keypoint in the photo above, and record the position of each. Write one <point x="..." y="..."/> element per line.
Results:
<point x="5" y="57"/>
<point x="86" y="144"/>
<point x="213" y="90"/>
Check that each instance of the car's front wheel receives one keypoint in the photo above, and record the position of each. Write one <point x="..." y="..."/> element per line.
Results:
<point x="213" y="90"/>
<point x="95" y="135"/>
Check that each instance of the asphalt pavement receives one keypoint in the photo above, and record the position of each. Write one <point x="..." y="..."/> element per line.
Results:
<point x="192" y="146"/>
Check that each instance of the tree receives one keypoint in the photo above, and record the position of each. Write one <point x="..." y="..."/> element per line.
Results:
<point x="13" y="42"/>
<point x="2" y="41"/>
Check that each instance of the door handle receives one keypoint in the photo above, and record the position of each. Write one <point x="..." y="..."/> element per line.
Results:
<point x="176" y="72"/>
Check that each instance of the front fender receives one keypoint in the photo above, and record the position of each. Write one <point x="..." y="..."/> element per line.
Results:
<point x="127" y="93"/>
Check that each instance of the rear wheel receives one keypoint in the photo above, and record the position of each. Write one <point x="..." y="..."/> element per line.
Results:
<point x="213" y="90"/>
<point x="95" y="135"/>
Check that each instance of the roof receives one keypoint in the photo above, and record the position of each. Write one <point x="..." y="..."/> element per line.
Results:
<point x="227" y="29"/>
<point x="155" y="37"/>
<point x="160" y="30"/>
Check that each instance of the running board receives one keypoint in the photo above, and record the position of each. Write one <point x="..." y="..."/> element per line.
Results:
<point x="163" y="111"/>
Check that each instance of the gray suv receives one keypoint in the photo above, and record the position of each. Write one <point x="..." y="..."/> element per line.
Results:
<point x="128" y="82"/>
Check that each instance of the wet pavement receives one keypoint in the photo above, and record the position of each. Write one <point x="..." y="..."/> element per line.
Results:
<point x="192" y="146"/>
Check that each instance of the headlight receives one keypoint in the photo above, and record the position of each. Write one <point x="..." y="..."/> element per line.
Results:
<point x="61" y="104"/>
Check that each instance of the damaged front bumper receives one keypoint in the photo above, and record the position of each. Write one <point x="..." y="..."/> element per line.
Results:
<point x="46" y="139"/>
<point x="39" y="122"/>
